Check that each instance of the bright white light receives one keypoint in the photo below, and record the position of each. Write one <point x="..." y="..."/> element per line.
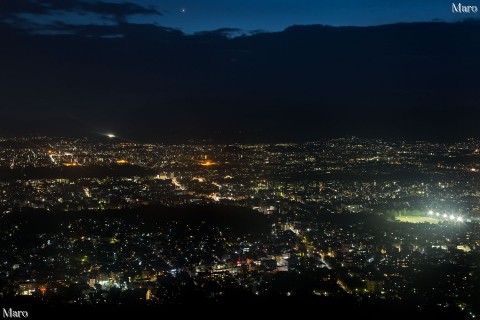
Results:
<point x="430" y="212"/>
<point x="452" y="217"/>
<point x="459" y="219"/>
<point x="110" y="135"/>
<point x="445" y="215"/>
<point x="437" y="214"/>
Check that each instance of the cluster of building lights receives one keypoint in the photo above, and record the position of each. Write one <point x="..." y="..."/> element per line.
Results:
<point x="445" y="216"/>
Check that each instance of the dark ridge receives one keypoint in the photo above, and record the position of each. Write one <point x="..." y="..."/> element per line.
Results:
<point x="77" y="172"/>
<point x="233" y="220"/>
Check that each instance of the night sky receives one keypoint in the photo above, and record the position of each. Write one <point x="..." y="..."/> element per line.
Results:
<point x="239" y="70"/>
<point x="248" y="15"/>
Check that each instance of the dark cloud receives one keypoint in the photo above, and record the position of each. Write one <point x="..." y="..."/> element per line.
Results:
<point x="119" y="30"/>
<point x="222" y="32"/>
<point x="9" y="9"/>
<point x="12" y="7"/>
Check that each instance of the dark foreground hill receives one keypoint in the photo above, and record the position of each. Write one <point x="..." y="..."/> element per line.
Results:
<point x="231" y="220"/>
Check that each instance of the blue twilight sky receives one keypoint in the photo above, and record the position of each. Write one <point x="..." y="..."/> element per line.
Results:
<point x="270" y="15"/>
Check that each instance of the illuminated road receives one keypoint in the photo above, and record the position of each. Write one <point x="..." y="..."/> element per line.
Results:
<point x="304" y="239"/>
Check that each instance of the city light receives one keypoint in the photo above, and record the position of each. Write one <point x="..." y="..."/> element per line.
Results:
<point x="70" y="164"/>
<point x="207" y="163"/>
<point x="182" y="175"/>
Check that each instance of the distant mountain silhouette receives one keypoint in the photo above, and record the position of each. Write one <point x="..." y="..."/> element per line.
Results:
<point x="417" y="80"/>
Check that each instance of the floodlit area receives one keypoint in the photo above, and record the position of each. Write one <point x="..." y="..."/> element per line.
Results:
<point x="418" y="219"/>
<point x="430" y="217"/>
